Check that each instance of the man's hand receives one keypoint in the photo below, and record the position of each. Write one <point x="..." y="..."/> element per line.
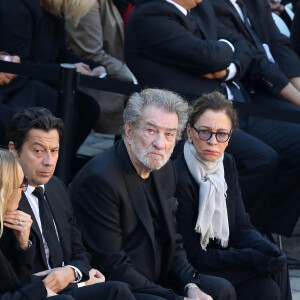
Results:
<point x="20" y="223"/>
<point x="84" y="69"/>
<point x="58" y="278"/>
<point x="6" y="78"/>
<point x="95" y="277"/>
<point x="98" y="71"/>
<point x="216" y="75"/>
<point x="196" y="294"/>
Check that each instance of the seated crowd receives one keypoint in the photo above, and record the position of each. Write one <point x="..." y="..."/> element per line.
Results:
<point x="130" y="200"/>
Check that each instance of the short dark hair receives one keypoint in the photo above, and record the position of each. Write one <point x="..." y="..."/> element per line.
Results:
<point x="214" y="101"/>
<point x="32" y="118"/>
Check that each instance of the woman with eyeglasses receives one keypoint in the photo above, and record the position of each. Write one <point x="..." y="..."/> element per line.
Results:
<point x="218" y="236"/>
<point x="16" y="253"/>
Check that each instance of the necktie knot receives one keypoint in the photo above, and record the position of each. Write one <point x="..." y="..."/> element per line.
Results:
<point x="39" y="192"/>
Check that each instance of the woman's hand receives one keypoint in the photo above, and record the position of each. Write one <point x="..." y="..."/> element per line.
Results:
<point x="95" y="277"/>
<point x="20" y="223"/>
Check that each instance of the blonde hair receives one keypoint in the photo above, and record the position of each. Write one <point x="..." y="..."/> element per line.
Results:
<point x="9" y="180"/>
<point x="71" y="9"/>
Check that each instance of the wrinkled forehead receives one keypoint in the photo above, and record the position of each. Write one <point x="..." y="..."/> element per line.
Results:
<point x="38" y="136"/>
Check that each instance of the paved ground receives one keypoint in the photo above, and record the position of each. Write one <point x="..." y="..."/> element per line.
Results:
<point x="96" y="143"/>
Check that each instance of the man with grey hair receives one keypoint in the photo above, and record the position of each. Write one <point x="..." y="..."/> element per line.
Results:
<point x="122" y="203"/>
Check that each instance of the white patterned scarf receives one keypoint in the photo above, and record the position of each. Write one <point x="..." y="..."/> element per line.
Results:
<point x="212" y="221"/>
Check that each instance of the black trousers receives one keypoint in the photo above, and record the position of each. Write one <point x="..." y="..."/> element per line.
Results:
<point x="218" y="288"/>
<point x="110" y="290"/>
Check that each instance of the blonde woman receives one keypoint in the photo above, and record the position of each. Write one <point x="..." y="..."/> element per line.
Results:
<point x="16" y="253"/>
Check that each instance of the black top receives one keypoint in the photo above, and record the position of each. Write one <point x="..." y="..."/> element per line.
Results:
<point x="15" y="266"/>
<point x="158" y="223"/>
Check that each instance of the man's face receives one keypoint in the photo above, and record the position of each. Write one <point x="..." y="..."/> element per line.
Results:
<point x="188" y="4"/>
<point x="38" y="155"/>
<point x="152" y="140"/>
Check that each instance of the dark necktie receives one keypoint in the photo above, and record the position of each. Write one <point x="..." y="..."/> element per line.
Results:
<point x="250" y="30"/>
<point x="49" y="232"/>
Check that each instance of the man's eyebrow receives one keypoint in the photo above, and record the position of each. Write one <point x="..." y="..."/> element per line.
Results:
<point x="155" y="126"/>
<point x="38" y="144"/>
<point x="43" y="146"/>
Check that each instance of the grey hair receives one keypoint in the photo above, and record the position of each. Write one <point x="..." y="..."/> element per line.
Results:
<point x="167" y="100"/>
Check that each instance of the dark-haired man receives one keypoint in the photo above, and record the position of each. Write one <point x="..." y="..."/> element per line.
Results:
<point x="61" y="258"/>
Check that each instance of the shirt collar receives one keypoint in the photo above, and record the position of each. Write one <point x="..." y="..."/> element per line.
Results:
<point x="182" y="9"/>
<point x="31" y="188"/>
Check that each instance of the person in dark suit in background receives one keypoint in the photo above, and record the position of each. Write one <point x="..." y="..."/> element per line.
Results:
<point x="60" y="257"/>
<point x="34" y="30"/>
<point x="16" y="244"/>
<point x="122" y="201"/>
<point x="275" y="67"/>
<point x="177" y="45"/>
<point x="275" y="71"/>
<point x="217" y="234"/>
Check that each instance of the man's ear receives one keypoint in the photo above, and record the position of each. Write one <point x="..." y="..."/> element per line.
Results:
<point x="128" y="131"/>
<point x="12" y="148"/>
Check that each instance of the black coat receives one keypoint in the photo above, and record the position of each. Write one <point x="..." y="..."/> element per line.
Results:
<point x="117" y="228"/>
<point x="273" y="76"/>
<point x="165" y="49"/>
<point x="69" y="234"/>
<point x="15" y="266"/>
<point x="218" y="261"/>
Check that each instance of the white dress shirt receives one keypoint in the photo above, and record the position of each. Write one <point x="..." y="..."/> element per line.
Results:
<point x="34" y="203"/>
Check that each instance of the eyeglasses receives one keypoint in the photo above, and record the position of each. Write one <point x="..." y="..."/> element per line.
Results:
<point x="205" y="135"/>
<point x="24" y="184"/>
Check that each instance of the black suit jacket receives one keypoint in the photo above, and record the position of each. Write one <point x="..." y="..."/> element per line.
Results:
<point x="273" y="76"/>
<point x="165" y="49"/>
<point x="217" y="261"/>
<point x="15" y="266"/>
<point x="69" y="234"/>
<point x="117" y="227"/>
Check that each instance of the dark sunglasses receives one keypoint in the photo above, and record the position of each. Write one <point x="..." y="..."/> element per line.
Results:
<point x="24" y="184"/>
<point x="206" y="135"/>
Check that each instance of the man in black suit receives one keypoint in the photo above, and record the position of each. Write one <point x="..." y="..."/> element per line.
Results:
<point x="177" y="45"/>
<point x="61" y="258"/>
<point x="122" y="202"/>
<point x="274" y="72"/>
<point x="275" y="67"/>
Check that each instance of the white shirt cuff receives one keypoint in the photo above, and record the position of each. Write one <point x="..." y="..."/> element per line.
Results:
<point x="80" y="284"/>
<point x="228" y="43"/>
<point x="232" y="71"/>
<point x="79" y="272"/>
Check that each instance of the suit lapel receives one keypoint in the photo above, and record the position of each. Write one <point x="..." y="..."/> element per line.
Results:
<point x="25" y="207"/>
<point x="118" y="20"/>
<point x="201" y="22"/>
<point x="135" y="191"/>
<point x="239" y="21"/>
